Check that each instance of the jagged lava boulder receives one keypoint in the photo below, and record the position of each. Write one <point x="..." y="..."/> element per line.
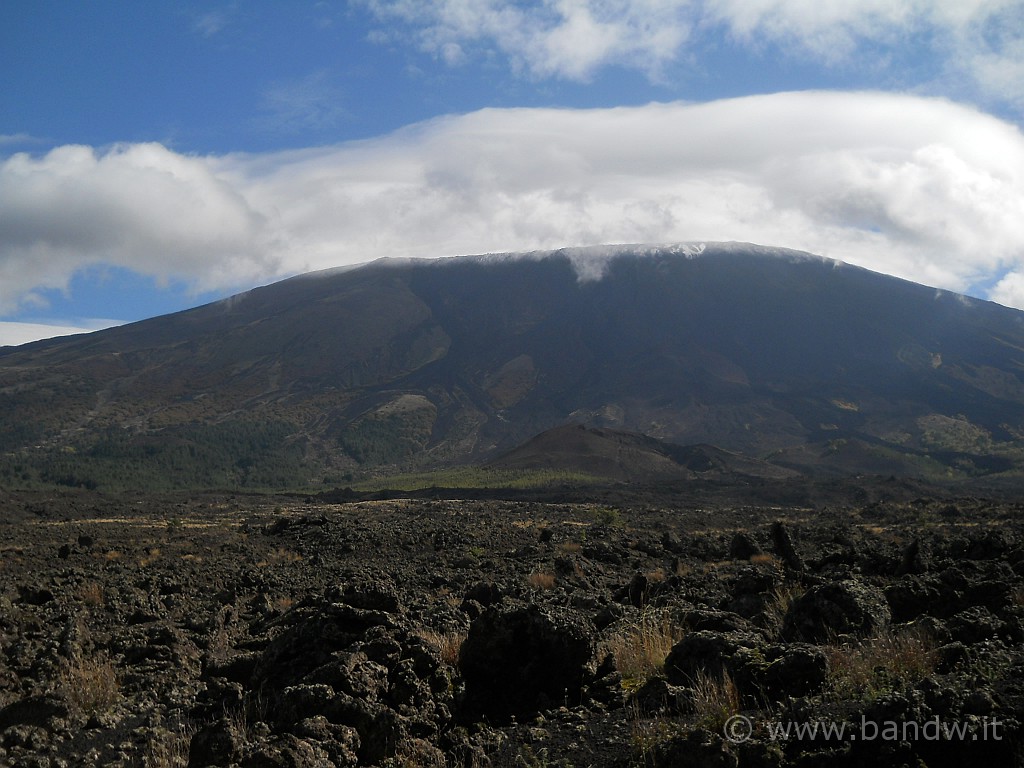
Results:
<point x="837" y="608"/>
<point x="517" y="661"/>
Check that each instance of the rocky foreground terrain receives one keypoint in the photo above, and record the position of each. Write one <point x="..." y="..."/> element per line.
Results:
<point x="214" y="630"/>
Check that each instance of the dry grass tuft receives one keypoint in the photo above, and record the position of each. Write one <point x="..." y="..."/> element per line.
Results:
<point x="240" y="724"/>
<point x="777" y="606"/>
<point x="1017" y="597"/>
<point x="541" y="580"/>
<point x="416" y="753"/>
<point x="282" y="603"/>
<point x="881" y="663"/>
<point x="640" y="649"/>
<point x="168" y="748"/>
<point x="682" y="568"/>
<point x="710" y="566"/>
<point x="648" y="733"/>
<point x="89" y="683"/>
<point x="152" y="555"/>
<point x="241" y="720"/>
<point x="656" y="576"/>
<point x="91" y="593"/>
<point x="767" y="560"/>
<point x="447" y="644"/>
<point x="715" y="700"/>
<point x="280" y="556"/>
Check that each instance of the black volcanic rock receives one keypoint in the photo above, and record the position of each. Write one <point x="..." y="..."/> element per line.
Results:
<point x="762" y="352"/>
<point x="837" y="608"/>
<point x="340" y="639"/>
<point x="519" y="661"/>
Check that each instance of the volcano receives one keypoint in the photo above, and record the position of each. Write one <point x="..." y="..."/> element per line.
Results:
<point x="774" y="355"/>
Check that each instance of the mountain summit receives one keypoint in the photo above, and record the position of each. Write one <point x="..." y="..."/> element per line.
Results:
<point x="774" y="354"/>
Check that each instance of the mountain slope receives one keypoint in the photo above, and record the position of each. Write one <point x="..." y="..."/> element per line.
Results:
<point x="630" y="457"/>
<point x="765" y="352"/>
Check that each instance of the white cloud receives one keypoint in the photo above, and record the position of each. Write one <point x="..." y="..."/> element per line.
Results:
<point x="1009" y="291"/>
<point x="563" y="38"/>
<point x="12" y="334"/>
<point x="1000" y="73"/>
<point x="921" y="188"/>
<point x="309" y="102"/>
<point x="138" y="206"/>
<point x="982" y="40"/>
<point x="16" y="138"/>
<point x="924" y="189"/>
<point x="215" y="20"/>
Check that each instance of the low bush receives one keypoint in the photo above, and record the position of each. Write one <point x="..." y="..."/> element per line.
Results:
<point x="89" y="683"/>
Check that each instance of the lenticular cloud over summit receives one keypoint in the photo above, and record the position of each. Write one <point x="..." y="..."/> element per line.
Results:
<point x="920" y="188"/>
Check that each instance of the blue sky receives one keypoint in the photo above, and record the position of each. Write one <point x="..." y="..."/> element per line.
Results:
<point x="158" y="155"/>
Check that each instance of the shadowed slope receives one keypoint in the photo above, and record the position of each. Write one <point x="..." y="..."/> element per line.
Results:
<point x="763" y="352"/>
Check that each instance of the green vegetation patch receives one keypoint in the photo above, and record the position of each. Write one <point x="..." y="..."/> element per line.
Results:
<point x="392" y="433"/>
<point x="478" y="477"/>
<point x="230" y="454"/>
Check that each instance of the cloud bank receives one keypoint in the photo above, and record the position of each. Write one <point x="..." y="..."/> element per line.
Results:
<point x="981" y="41"/>
<point x="138" y="206"/>
<point x="920" y="188"/>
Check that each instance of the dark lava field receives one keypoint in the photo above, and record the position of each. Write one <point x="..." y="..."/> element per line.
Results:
<point x="259" y="631"/>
